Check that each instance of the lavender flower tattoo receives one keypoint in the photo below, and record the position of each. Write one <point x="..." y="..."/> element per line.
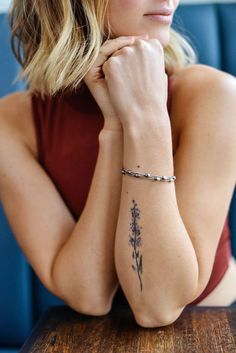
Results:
<point x="135" y="241"/>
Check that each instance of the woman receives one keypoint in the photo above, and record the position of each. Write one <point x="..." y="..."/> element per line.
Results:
<point x="98" y="106"/>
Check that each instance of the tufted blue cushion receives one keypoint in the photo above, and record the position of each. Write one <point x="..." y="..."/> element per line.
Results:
<point x="227" y="27"/>
<point x="16" y="290"/>
<point x="212" y="31"/>
<point x="15" y="274"/>
<point x="43" y="299"/>
<point x="202" y="29"/>
<point x="8" y="66"/>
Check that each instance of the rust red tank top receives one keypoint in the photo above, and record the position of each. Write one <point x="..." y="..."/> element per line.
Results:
<point x="67" y="129"/>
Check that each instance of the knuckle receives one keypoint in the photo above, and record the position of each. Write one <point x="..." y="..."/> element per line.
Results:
<point x="157" y="43"/>
<point x="102" y="51"/>
<point x="105" y="66"/>
<point x="113" y="60"/>
<point x="110" y="63"/>
<point x="125" y="50"/>
<point x="154" y="40"/>
<point x="141" y="42"/>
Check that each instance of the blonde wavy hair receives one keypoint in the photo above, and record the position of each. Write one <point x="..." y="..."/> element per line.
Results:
<point x="57" y="42"/>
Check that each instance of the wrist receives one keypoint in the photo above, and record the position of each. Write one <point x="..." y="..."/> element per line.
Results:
<point x="149" y="148"/>
<point x="137" y="121"/>
<point x="158" y="136"/>
<point x="110" y="134"/>
<point x="112" y="124"/>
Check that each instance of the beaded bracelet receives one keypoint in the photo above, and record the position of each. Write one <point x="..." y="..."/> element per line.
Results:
<point x="148" y="175"/>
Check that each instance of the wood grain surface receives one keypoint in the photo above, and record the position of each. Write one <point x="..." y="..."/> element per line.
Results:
<point x="198" y="329"/>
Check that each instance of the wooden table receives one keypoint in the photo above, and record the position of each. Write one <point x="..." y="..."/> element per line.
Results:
<point x="198" y="329"/>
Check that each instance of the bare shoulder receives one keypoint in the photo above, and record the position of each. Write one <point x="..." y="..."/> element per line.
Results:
<point x="16" y="118"/>
<point x="197" y="85"/>
<point x="198" y="79"/>
<point x="199" y="76"/>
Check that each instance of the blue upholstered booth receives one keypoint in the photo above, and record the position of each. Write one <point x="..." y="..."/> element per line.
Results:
<point x="22" y="297"/>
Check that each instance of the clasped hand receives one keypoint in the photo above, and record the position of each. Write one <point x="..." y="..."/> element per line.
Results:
<point x="129" y="82"/>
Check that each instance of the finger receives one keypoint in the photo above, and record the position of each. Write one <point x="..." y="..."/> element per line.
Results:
<point x="111" y="46"/>
<point x="144" y="37"/>
<point x="137" y="41"/>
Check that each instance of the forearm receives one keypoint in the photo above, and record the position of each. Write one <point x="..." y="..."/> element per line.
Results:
<point x="84" y="270"/>
<point x="169" y="273"/>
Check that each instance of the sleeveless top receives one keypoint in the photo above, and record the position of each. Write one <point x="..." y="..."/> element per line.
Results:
<point x="67" y="129"/>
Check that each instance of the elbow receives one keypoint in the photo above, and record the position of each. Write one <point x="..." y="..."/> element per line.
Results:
<point x="158" y="320"/>
<point x="89" y="307"/>
<point x="80" y="294"/>
<point x="87" y="302"/>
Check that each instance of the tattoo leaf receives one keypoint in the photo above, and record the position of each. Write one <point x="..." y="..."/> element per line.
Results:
<point x="141" y="264"/>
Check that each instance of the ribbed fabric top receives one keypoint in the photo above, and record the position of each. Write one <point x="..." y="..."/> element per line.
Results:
<point x="67" y="129"/>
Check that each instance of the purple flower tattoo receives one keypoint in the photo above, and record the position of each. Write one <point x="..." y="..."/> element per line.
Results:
<point x="135" y="241"/>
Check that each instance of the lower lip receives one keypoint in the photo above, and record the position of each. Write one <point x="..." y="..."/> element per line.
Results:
<point x="166" y="19"/>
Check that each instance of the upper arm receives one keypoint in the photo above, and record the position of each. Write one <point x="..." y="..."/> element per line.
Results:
<point x="205" y="161"/>
<point x="38" y="217"/>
